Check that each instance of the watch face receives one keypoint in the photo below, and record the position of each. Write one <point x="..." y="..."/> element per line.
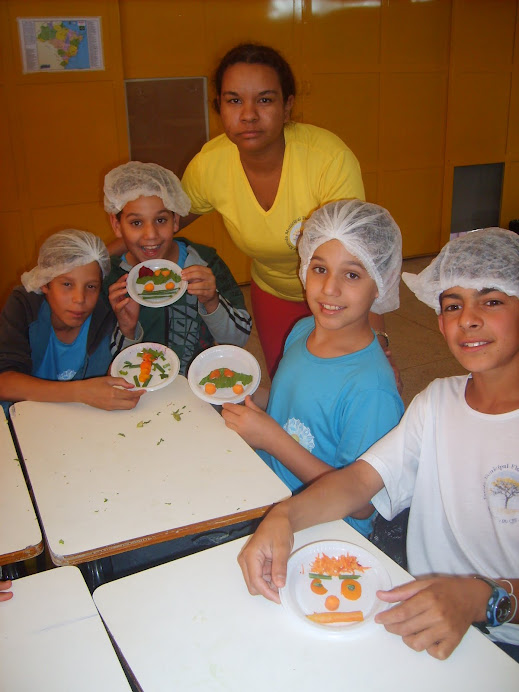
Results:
<point x="503" y="609"/>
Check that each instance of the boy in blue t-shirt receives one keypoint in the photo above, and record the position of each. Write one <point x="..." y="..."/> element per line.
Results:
<point x="334" y="392"/>
<point x="55" y="329"/>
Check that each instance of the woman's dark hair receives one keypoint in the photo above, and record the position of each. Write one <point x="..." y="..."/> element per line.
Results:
<point x="255" y="54"/>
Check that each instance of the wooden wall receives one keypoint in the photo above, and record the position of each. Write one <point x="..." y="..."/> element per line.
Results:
<point x="414" y="88"/>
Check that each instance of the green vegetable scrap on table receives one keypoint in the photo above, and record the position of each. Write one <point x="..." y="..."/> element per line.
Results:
<point x="177" y="415"/>
<point x="142" y="423"/>
<point x="222" y="381"/>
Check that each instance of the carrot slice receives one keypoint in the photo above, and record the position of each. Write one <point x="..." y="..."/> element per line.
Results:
<point x="214" y="374"/>
<point x="228" y="373"/>
<point x="237" y="388"/>
<point x="332" y="603"/>
<point x="327" y="618"/>
<point x="210" y="388"/>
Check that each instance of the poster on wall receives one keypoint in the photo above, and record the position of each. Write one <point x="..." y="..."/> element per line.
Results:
<point x="54" y="44"/>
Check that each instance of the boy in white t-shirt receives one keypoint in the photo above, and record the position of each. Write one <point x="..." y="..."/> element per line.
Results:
<point x="452" y="460"/>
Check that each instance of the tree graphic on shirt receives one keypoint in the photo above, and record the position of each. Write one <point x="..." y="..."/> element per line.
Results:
<point x="507" y="487"/>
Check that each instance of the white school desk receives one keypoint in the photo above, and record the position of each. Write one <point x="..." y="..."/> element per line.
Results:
<point x="192" y="621"/>
<point x="110" y="481"/>
<point x="20" y="535"/>
<point x="52" y="637"/>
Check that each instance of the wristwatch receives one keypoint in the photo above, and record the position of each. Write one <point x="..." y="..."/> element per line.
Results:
<point x="499" y="606"/>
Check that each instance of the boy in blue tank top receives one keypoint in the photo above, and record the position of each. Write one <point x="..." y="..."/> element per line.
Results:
<point x="55" y="329"/>
<point x="334" y="393"/>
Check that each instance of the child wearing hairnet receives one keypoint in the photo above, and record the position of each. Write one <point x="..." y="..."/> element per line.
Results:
<point x="334" y="393"/>
<point x="55" y="330"/>
<point x="144" y="201"/>
<point x="452" y="460"/>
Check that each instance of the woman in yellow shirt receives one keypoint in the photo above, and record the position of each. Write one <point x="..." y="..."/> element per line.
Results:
<point x="265" y="176"/>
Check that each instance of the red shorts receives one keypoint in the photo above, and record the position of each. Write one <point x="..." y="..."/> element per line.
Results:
<point x="274" y="318"/>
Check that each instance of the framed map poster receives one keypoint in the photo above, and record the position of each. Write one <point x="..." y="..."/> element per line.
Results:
<point x="55" y="44"/>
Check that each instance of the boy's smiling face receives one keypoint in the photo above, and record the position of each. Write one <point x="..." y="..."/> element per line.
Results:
<point x="72" y="297"/>
<point x="339" y="290"/>
<point x="481" y="328"/>
<point x="147" y="229"/>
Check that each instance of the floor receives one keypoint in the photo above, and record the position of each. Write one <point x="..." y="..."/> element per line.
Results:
<point x="416" y="343"/>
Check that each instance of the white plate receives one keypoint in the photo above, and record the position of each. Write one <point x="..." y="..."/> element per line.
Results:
<point x="300" y="600"/>
<point x="231" y="357"/>
<point x="136" y="290"/>
<point x="130" y="355"/>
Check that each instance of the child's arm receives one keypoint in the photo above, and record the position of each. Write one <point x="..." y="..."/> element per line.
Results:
<point x="4" y="594"/>
<point x="261" y="431"/>
<point x="100" y="392"/>
<point x="344" y="491"/>
<point x="125" y="308"/>
<point x="434" y="613"/>
<point x="230" y="322"/>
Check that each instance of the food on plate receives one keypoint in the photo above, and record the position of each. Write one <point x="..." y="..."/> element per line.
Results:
<point x="150" y="362"/>
<point x="222" y="378"/>
<point x="332" y="603"/>
<point x="159" y="283"/>
<point x="328" y="618"/>
<point x="324" y="571"/>
<point x="336" y="566"/>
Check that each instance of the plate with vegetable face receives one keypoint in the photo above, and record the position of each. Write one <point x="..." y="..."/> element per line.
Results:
<point x="156" y="283"/>
<point x="149" y="365"/>
<point x="331" y="587"/>
<point x="224" y="374"/>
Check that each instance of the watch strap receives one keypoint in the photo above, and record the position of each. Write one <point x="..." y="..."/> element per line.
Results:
<point x="499" y="607"/>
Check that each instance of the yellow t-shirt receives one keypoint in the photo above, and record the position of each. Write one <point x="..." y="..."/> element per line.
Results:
<point x="317" y="168"/>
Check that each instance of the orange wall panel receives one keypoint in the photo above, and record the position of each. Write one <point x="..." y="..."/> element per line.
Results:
<point x="512" y="145"/>
<point x="412" y="119"/>
<point x="69" y="140"/>
<point x="419" y="220"/>
<point x="483" y="33"/>
<point x="355" y="113"/>
<point x="416" y="33"/>
<point x="479" y="107"/>
<point x="9" y="190"/>
<point x="341" y="36"/>
<point x="14" y="249"/>
<point x="85" y="217"/>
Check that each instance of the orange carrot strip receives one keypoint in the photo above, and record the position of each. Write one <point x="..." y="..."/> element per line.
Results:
<point x="327" y="618"/>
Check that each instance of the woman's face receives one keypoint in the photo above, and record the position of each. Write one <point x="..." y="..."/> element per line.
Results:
<point x="252" y="109"/>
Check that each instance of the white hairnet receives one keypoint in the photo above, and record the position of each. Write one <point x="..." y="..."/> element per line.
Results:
<point x="135" y="179"/>
<point x="487" y="258"/>
<point x="368" y="232"/>
<point x="62" y="252"/>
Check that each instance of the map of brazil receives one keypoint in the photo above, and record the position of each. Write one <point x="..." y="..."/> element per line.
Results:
<point x="50" y="45"/>
<point x="62" y="46"/>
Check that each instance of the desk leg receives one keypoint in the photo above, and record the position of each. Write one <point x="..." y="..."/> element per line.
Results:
<point x="97" y="572"/>
<point x="13" y="571"/>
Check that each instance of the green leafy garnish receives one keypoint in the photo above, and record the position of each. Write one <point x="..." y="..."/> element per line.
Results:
<point x="222" y="381"/>
<point x="142" y="423"/>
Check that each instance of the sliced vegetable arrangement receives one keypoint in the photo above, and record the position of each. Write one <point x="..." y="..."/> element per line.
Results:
<point x="148" y="364"/>
<point x="159" y="283"/>
<point x="222" y="378"/>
